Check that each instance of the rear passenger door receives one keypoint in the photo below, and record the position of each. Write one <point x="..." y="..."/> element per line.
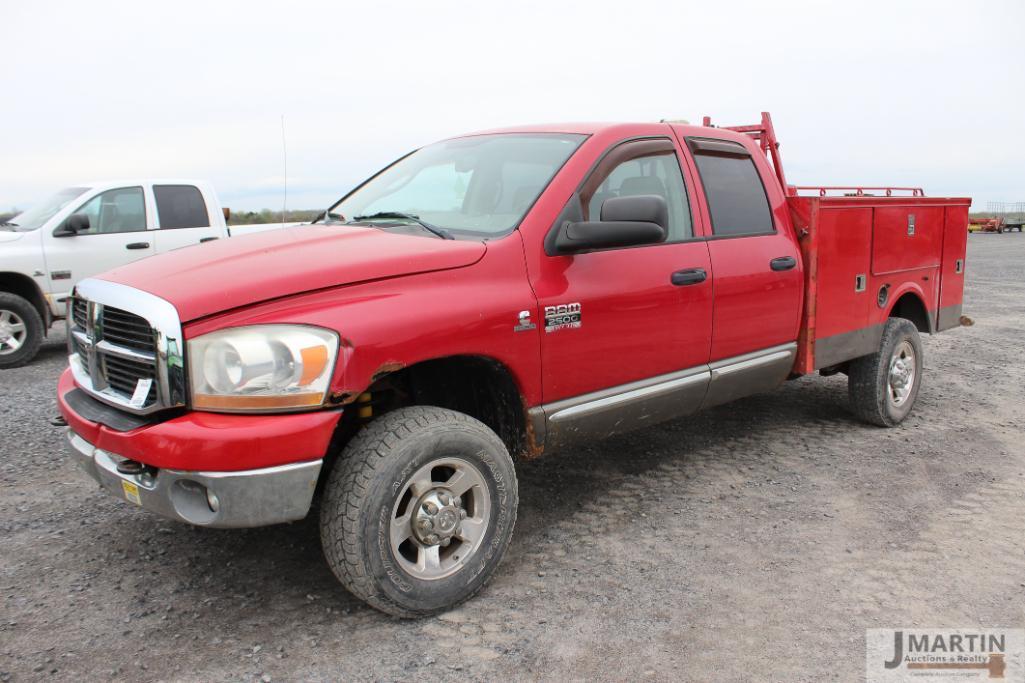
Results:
<point x="183" y="217"/>
<point x="756" y="264"/>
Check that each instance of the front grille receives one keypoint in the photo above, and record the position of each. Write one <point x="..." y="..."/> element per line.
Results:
<point x="116" y="350"/>
<point x="123" y="376"/>
<point x="79" y="312"/>
<point x="126" y="329"/>
<point x="126" y="347"/>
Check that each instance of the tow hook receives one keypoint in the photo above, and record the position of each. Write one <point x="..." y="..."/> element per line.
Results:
<point x="134" y="467"/>
<point x="58" y="421"/>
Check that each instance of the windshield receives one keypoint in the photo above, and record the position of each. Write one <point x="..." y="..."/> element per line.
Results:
<point x="34" y="218"/>
<point x="480" y="185"/>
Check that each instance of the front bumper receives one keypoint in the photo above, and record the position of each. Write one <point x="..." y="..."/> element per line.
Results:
<point x="242" y="498"/>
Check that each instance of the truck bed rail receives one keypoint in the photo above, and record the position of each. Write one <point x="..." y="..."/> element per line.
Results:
<point x="854" y="191"/>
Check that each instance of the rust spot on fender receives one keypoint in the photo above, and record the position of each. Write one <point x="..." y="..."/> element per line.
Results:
<point x="533" y="448"/>
<point x="386" y="369"/>
<point x="343" y="397"/>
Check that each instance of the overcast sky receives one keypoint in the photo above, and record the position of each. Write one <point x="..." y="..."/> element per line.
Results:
<point x="922" y="93"/>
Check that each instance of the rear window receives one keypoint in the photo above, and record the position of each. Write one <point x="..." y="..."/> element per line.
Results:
<point x="180" y="206"/>
<point x="736" y="196"/>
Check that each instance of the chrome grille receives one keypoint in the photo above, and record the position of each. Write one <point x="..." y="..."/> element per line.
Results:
<point x="79" y="311"/>
<point x="123" y="376"/>
<point x="130" y="360"/>
<point x="127" y="329"/>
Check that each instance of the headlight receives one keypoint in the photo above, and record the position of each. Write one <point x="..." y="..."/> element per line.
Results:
<point x="261" y="368"/>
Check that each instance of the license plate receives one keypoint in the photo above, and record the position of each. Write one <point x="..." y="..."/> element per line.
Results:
<point x="131" y="492"/>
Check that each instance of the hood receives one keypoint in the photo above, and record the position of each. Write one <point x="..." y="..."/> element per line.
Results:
<point x="9" y="236"/>
<point x="225" y="274"/>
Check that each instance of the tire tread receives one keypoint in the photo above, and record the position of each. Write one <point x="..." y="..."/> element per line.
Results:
<point x="348" y="488"/>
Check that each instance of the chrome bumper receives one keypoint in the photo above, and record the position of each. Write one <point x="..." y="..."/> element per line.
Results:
<point x="246" y="498"/>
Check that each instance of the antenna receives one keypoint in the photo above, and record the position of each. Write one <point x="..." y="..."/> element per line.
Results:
<point x="284" y="170"/>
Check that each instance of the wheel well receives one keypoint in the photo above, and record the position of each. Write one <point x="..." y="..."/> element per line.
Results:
<point x="23" y="286"/>
<point x="478" y="386"/>
<point x="910" y="307"/>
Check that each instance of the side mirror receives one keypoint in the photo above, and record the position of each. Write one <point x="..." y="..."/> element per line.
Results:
<point x="625" y="222"/>
<point x="227" y="213"/>
<point x="74" y="224"/>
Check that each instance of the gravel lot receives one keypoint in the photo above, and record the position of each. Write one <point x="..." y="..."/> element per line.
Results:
<point x="755" y="541"/>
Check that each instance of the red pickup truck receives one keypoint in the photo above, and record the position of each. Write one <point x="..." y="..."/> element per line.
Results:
<point x="485" y="298"/>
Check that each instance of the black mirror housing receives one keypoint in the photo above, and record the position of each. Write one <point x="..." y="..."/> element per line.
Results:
<point x="643" y="208"/>
<point x="591" y="235"/>
<point x="625" y="222"/>
<point x="72" y="225"/>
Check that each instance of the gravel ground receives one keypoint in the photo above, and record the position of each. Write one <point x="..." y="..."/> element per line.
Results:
<point x="755" y="541"/>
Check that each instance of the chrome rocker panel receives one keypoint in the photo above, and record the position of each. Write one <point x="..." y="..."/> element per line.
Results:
<point x="649" y="401"/>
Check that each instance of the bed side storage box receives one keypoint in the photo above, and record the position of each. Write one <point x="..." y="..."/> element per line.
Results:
<point x="952" y="267"/>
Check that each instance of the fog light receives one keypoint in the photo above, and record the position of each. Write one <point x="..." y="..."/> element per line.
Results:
<point x="212" y="500"/>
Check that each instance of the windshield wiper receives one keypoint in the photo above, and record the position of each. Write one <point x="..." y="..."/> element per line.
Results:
<point x="433" y="229"/>
<point x="8" y="224"/>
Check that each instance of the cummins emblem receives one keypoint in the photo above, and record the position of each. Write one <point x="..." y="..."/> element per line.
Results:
<point x="562" y="317"/>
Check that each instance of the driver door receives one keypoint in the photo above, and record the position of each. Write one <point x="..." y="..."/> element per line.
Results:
<point x="627" y="331"/>
<point x="118" y="234"/>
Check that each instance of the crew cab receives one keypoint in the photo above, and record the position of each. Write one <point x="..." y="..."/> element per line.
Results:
<point x="487" y="298"/>
<point x="84" y="230"/>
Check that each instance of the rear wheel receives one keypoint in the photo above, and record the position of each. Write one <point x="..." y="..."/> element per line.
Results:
<point x="419" y="510"/>
<point x="21" y="331"/>
<point x="883" y="386"/>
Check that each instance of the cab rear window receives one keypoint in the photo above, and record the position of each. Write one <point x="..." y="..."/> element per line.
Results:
<point x="180" y="206"/>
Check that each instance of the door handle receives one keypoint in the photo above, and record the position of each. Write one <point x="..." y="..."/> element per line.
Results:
<point x="690" y="276"/>
<point x="783" y="263"/>
<point x="137" y="245"/>
<point x="207" y="239"/>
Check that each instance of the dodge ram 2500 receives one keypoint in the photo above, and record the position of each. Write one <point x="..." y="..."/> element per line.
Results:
<point x="485" y="298"/>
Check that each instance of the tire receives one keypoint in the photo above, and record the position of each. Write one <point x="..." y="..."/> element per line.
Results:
<point x="874" y="398"/>
<point x="21" y="331"/>
<point x="372" y="487"/>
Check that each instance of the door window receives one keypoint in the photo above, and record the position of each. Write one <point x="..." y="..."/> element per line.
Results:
<point x="120" y="210"/>
<point x="654" y="173"/>
<point x="180" y="206"/>
<point x="736" y="196"/>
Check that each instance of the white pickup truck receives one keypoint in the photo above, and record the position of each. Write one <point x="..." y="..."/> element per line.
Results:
<point x="87" y="229"/>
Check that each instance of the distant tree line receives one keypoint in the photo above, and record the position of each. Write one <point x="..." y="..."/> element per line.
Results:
<point x="269" y="216"/>
<point x="8" y="215"/>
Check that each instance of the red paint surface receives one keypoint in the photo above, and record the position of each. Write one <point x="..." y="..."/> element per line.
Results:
<point x="225" y="274"/>
<point x="211" y="442"/>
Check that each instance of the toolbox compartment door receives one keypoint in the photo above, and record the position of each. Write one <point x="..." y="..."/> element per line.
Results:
<point x="955" y="239"/>
<point x="843" y="302"/>
<point x="906" y="238"/>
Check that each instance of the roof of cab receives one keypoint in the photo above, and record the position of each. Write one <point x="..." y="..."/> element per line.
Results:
<point x="593" y="128"/>
<point x="126" y="182"/>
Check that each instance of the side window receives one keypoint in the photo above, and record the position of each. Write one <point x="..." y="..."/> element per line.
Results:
<point x="657" y="173"/>
<point x="121" y="210"/>
<point x="736" y="196"/>
<point x="180" y="206"/>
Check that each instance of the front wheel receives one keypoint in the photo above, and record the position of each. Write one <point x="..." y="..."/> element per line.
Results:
<point x="419" y="510"/>
<point x="21" y="331"/>
<point x="883" y="386"/>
